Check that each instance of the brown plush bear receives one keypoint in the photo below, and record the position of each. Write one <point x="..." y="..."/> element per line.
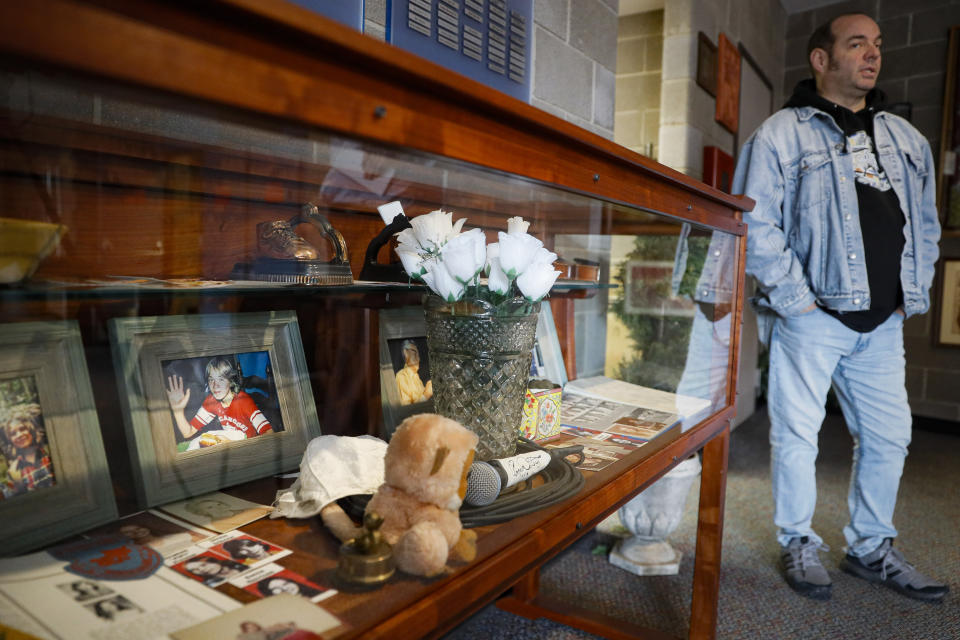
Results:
<point x="425" y="478"/>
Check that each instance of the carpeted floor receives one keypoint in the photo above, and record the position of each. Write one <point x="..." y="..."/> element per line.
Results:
<point x="755" y="603"/>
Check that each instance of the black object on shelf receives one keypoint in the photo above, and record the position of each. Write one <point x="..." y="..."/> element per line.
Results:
<point x="372" y="269"/>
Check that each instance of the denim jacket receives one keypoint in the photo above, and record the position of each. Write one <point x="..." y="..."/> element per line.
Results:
<point x="804" y="242"/>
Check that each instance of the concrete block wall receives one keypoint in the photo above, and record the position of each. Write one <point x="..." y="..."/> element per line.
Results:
<point x="915" y="36"/>
<point x="639" y="61"/>
<point x="687" y="111"/>
<point x="574" y="61"/>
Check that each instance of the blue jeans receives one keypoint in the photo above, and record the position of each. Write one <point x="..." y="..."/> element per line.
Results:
<point x="867" y="370"/>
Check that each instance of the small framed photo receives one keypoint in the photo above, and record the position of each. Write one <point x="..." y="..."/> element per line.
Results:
<point x="212" y="400"/>
<point x="547" y="357"/>
<point x="54" y="479"/>
<point x="949" y="333"/>
<point x="405" y="385"/>
<point x="706" y="64"/>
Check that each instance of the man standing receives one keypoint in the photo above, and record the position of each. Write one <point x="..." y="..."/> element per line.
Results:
<point x="842" y="242"/>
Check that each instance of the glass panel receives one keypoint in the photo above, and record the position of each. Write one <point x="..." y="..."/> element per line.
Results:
<point x="164" y="203"/>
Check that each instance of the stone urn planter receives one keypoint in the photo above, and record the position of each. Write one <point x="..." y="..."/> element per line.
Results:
<point x="650" y="518"/>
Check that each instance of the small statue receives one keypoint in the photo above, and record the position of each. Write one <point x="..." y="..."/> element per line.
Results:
<point x="367" y="559"/>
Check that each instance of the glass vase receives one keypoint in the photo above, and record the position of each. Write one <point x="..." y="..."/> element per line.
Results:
<point x="480" y="358"/>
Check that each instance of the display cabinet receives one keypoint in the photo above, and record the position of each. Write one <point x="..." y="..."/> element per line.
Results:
<point x="151" y="146"/>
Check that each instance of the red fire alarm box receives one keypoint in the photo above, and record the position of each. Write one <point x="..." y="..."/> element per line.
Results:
<point x="717" y="168"/>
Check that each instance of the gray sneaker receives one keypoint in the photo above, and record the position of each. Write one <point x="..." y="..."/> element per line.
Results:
<point x="886" y="566"/>
<point x="803" y="570"/>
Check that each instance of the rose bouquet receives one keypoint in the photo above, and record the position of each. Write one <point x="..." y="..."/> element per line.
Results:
<point x="518" y="269"/>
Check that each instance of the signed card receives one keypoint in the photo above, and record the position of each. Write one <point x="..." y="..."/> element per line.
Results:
<point x="287" y="582"/>
<point x="245" y="548"/>
<point x="210" y="568"/>
<point x="284" y="617"/>
<point x="217" y="511"/>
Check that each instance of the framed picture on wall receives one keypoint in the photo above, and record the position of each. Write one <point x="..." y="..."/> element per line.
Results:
<point x="949" y="320"/>
<point x="212" y="400"/>
<point x="727" y="110"/>
<point x="405" y="385"/>
<point x="948" y="183"/>
<point x="54" y="479"/>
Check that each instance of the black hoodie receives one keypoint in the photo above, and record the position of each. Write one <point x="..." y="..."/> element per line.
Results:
<point x="881" y="218"/>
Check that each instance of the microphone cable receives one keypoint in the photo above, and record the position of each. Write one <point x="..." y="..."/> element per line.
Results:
<point x="561" y="480"/>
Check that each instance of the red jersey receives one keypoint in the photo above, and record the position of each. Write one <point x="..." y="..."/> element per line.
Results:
<point x="242" y="415"/>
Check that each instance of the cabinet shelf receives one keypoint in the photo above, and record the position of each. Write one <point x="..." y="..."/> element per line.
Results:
<point x="135" y="288"/>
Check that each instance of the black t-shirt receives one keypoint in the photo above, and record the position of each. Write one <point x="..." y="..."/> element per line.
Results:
<point x="881" y="224"/>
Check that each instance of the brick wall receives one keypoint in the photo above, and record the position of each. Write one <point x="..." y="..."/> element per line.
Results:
<point x="915" y="37"/>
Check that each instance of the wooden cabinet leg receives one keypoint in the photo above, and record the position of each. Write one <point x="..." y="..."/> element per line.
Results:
<point x="526" y="601"/>
<point x="706" y="571"/>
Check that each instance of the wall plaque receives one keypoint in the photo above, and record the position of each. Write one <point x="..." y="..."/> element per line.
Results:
<point x="486" y="40"/>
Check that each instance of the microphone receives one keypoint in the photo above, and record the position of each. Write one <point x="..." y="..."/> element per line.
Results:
<point x="486" y="480"/>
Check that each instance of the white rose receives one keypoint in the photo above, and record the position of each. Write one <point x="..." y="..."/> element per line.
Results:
<point x="464" y="255"/>
<point x="517" y="225"/>
<point x="535" y="282"/>
<point x="497" y="280"/>
<point x="441" y="282"/>
<point x="516" y="252"/>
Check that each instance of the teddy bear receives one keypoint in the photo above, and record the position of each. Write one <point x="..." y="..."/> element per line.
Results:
<point x="425" y="479"/>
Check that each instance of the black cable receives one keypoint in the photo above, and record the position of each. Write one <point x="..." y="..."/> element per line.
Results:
<point x="561" y="480"/>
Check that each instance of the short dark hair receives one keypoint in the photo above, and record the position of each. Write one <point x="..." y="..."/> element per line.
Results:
<point x="234" y="546"/>
<point x="823" y="36"/>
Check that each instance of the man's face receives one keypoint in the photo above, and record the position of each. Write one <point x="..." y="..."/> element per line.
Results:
<point x="854" y="63"/>
<point x="20" y="433"/>
<point x="219" y="385"/>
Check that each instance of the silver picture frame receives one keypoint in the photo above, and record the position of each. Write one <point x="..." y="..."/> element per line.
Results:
<point x="145" y="349"/>
<point x="44" y="381"/>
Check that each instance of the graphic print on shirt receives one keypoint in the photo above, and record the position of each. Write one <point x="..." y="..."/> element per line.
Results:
<point x="241" y="415"/>
<point x="865" y="164"/>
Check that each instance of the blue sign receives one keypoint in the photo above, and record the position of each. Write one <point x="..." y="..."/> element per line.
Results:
<point x="349" y="12"/>
<point x="486" y="40"/>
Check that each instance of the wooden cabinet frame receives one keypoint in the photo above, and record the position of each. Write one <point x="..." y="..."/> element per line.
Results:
<point x="274" y="59"/>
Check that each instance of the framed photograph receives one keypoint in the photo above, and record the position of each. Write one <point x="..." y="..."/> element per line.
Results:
<point x="948" y="183"/>
<point x="706" y="64"/>
<point x="547" y="357"/>
<point x="54" y="479"/>
<point x="949" y="333"/>
<point x="727" y="110"/>
<point x="405" y="385"/>
<point x="212" y="400"/>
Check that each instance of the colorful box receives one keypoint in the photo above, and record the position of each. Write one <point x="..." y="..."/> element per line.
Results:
<point x="541" y="413"/>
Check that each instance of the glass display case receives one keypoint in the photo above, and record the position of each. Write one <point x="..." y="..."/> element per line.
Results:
<point x="187" y="200"/>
